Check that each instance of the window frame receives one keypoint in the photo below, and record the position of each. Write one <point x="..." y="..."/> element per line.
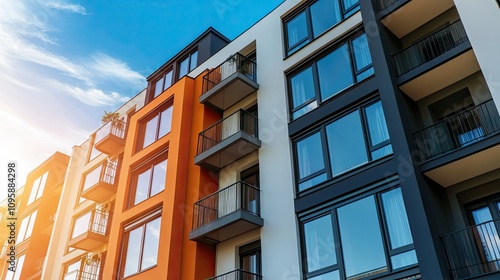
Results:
<point x="148" y="165"/>
<point x="290" y="50"/>
<point x="142" y="222"/>
<point x="189" y="63"/>
<point x="37" y="195"/>
<point x="322" y="130"/>
<point x="163" y="78"/>
<point x="313" y="64"/>
<point x="157" y="112"/>
<point x="30" y="224"/>
<point x="331" y="210"/>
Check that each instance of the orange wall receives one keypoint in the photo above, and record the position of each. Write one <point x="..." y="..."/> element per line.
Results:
<point x="177" y="255"/>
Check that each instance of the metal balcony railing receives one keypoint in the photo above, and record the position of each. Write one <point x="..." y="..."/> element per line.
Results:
<point x="237" y="275"/>
<point x="239" y="196"/>
<point x="106" y="173"/>
<point x="473" y="251"/>
<point x="116" y="128"/>
<point x="223" y="129"/>
<point x="430" y="47"/>
<point x="236" y="63"/>
<point x="458" y="130"/>
<point x="99" y="222"/>
<point x="382" y="4"/>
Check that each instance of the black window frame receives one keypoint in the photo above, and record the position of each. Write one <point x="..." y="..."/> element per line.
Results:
<point x="331" y="210"/>
<point x="321" y="129"/>
<point x="290" y="50"/>
<point x="163" y="78"/>
<point x="189" y="61"/>
<point x="312" y="63"/>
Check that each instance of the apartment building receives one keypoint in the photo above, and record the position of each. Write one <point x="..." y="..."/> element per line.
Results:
<point x="37" y="203"/>
<point x="334" y="139"/>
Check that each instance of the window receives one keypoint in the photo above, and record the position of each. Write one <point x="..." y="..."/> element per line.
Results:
<point x="357" y="238"/>
<point x="188" y="64"/>
<point x="19" y="268"/>
<point x="93" y="151"/>
<point x="157" y="125"/>
<point x="347" y="142"/>
<point x="332" y="73"/>
<point x="38" y="187"/>
<point x="26" y="227"/>
<point x="163" y="83"/>
<point x="314" y="20"/>
<point x="250" y="259"/>
<point x="149" y="180"/>
<point x="93" y="221"/>
<point x="140" y="247"/>
<point x="87" y="267"/>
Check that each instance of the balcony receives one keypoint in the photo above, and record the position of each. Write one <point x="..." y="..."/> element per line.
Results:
<point x="229" y="82"/>
<point x="95" y="235"/>
<point x="110" y="137"/>
<point x="402" y="17"/>
<point x="461" y="146"/>
<point x="227" y="141"/>
<point x="77" y="275"/>
<point x="473" y="251"/>
<point x="436" y="61"/>
<point x="237" y="275"/>
<point x="227" y="213"/>
<point x="100" y="184"/>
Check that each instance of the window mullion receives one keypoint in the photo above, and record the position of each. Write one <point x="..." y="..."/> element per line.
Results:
<point x="366" y="133"/>
<point x="326" y="152"/>
<point x="310" y="34"/>
<point x="150" y="184"/>
<point x="141" y="252"/>
<point x="384" y="230"/>
<point x="158" y="123"/>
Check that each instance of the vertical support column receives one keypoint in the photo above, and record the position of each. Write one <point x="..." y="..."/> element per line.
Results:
<point x="421" y="202"/>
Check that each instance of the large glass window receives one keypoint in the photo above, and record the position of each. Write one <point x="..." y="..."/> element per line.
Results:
<point x="163" y="83"/>
<point x="149" y="181"/>
<point x="19" y="268"/>
<point x="314" y="20"/>
<point x="141" y="240"/>
<point x="351" y="140"/>
<point x="188" y="64"/>
<point x="157" y="125"/>
<point x="37" y="188"/>
<point x="329" y="75"/>
<point x="351" y="236"/>
<point x="26" y="227"/>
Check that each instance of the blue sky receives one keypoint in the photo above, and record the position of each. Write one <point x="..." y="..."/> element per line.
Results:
<point x="64" y="62"/>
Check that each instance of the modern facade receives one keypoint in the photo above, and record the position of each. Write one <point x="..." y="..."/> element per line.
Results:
<point x="334" y="139"/>
<point x="37" y="205"/>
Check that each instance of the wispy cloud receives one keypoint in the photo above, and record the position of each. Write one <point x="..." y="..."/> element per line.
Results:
<point x="26" y="26"/>
<point x="73" y="8"/>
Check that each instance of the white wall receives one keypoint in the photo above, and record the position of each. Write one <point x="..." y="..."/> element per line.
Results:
<point x="279" y="239"/>
<point x="481" y="20"/>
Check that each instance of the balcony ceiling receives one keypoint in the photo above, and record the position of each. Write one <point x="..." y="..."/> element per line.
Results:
<point x="442" y="76"/>
<point x="414" y="14"/>
<point x="466" y="168"/>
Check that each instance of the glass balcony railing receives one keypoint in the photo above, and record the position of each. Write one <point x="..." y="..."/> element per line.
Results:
<point x="457" y="131"/>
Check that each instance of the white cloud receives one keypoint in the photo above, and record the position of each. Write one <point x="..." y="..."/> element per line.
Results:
<point x="74" y="8"/>
<point x="25" y="27"/>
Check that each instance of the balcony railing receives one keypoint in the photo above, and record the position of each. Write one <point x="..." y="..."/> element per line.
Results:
<point x="236" y="63"/>
<point x="116" y="128"/>
<point x="227" y="127"/>
<point x="110" y="136"/>
<point x="458" y="131"/>
<point x="237" y="275"/>
<point x="430" y="47"/>
<point x="239" y="196"/>
<point x="100" y="183"/>
<point x="473" y="251"/>
<point x="95" y="234"/>
<point x="382" y="4"/>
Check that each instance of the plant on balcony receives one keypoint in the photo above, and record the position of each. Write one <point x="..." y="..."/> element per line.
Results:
<point x="114" y="118"/>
